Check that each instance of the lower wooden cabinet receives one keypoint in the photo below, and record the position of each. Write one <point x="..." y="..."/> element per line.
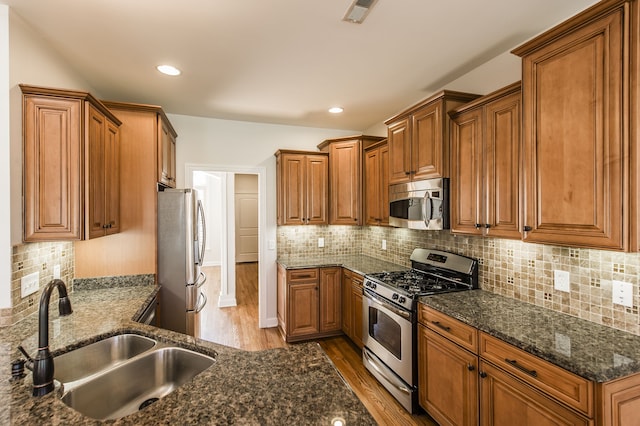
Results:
<point x="352" y="285"/>
<point x="309" y="303"/>
<point x="467" y="377"/>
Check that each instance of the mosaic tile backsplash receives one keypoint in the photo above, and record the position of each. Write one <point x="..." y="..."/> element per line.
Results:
<point x="36" y="257"/>
<point x="515" y="269"/>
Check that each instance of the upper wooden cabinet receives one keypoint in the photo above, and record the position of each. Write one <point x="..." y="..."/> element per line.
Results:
<point x="71" y="166"/>
<point x="302" y="187"/>
<point x="345" y="177"/>
<point x="485" y="155"/>
<point x="166" y="152"/>
<point x="419" y="138"/>
<point x="376" y="184"/>
<point x="580" y="117"/>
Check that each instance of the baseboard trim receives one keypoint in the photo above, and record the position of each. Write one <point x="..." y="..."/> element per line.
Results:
<point x="268" y="322"/>
<point x="227" y="301"/>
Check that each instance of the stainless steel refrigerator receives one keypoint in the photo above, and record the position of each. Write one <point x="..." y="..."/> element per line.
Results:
<point x="181" y="245"/>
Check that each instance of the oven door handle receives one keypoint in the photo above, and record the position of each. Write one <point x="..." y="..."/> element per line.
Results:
<point x="384" y="372"/>
<point x="404" y="314"/>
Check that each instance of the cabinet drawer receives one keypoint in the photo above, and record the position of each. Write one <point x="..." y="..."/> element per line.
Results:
<point x="458" y="332"/>
<point x="555" y="381"/>
<point x="302" y="275"/>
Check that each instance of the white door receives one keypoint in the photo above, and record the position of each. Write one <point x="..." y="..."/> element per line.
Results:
<point x="246" y="215"/>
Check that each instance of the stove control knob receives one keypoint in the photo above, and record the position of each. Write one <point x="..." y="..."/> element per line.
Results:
<point x="402" y="299"/>
<point x="373" y="285"/>
<point x="395" y="296"/>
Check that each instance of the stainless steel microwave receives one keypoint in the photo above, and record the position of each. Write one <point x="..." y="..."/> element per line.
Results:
<point x="422" y="204"/>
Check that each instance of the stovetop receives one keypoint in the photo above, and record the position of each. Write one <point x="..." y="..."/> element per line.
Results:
<point x="433" y="272"/>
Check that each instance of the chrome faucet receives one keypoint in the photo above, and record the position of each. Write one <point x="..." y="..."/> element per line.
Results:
<point x="43" y="362"/>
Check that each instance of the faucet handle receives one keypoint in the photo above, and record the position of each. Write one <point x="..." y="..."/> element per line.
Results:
<point x="29" y="362"/>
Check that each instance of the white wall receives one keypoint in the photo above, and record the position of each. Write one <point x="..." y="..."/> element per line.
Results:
<point x="242" y="144"/>
<point x="5" y="161"/>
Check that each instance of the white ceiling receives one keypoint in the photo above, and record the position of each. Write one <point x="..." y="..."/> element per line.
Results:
<point x="284" y="61"/>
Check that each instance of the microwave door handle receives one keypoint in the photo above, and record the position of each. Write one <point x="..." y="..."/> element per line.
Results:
<point x="427" y="208"/>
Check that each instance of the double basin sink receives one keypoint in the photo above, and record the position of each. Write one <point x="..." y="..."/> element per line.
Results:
<point x="123" y="374"/>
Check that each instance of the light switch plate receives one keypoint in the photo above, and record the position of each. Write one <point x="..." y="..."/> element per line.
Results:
<point x="561" y="280"/>
<point x="29" y="284"/>
<point x="622" y="293"/>
<point x="56" y="272"/>
<point x="384" y="244"/>
<point x="320" y="242"/>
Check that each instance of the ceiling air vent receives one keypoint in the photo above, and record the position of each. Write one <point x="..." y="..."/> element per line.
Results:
<point x="358" y="10"/>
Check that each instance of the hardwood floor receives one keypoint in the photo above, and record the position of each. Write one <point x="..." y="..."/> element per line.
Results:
<point x="238" y="327"/>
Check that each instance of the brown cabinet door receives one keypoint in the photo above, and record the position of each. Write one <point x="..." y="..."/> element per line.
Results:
<point x="356" y="309"/>
<point x="399" y="138"/>
<point x="52" y="169"/>
<point x="317" y="195"/>
<point x="96" y="185"/>
<point x="427" y="144"/>
<point x="166" y="154"/>
<point x="282" y="298"/>
<point x="448" y="380"/>
<point x="345" y="180"/>
<point x="293" y="189"/>
<point x="501" y="167"/>
<point x="330" y="300"/>
<point x="573" y="137"/>
<point x="384" y="184"/>
<point x="506" y="401"/>
<point x="466" y="173"/>
<point x="346" y="303"/>
<point x="303" y="309"/>
<point x="112" y="179"/>
<point x="373" y="189"/>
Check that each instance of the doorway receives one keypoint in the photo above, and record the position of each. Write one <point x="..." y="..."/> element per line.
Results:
<point x="222" y="226"/>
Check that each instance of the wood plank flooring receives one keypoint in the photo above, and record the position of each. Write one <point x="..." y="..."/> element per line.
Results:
<point x="238" y="327"/>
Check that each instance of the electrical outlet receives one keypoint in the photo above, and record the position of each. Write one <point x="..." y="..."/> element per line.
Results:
<point x="29" y="284"/>
<point x="56" y="272"/>
<point x="561" y="280"/>
<point x="622" y="293"/>
<point x="320" y="242"/>
<point x="384" y="244"/>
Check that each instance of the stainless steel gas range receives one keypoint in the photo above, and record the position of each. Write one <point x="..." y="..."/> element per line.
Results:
<point x="389" y="316"/>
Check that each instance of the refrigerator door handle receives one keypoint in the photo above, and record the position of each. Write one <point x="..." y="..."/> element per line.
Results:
<point x="201" y="305"/>
<point x="199" y="282"/>
<point x="203" y="243"/>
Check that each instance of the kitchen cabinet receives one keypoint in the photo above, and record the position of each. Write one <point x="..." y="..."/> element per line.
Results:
<point x="166" y="152"/>
<point x="447" y="369"/>
<point x="418" y="138"/>
<point x="309" y="303"/>
<point x="376" y="184"/>
<point x="133" y="251"/>
<point x="345" y="177"/>
<point x="302" y="182"/>
<point x="352" y="285"/>
<point x="580" y="114"/>
<point x="462" y="369"/>
<point x="71" y="166"/>
<point x="485" y="160"/>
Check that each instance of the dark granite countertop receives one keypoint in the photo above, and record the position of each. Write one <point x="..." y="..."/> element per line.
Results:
<point x="359" y="264"/>
<point x="593" y="351"/>
<point x="294" y="385"/>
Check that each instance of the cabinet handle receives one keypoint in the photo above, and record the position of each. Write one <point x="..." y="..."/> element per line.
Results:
<point x="483" y="374"/>
<point x="444" y="327"/>
<point x="470" y="367"/>
<point x="514" y="363"/>
<point x="527" y="229"/>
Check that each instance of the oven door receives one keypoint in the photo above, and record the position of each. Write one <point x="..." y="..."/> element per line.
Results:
<point x="388" y="333"/>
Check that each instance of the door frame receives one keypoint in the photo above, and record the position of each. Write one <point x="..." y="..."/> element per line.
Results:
<point x="262" y="226"/>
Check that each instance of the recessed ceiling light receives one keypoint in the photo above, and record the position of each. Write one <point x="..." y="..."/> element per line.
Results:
<point x="168" y="70"/>
<point x="335" y="110"/>
<point x="358" y="10"/>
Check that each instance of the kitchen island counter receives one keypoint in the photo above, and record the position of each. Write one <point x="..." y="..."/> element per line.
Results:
<point x="294" y="385"/>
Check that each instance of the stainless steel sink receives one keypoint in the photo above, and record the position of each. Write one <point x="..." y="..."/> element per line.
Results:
<point x="88" y="360"/>
<point x="135" y="384"/>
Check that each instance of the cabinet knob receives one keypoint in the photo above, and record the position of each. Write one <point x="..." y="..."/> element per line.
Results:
<point x="470" y="367"/>
<point x="487" y="226"/>
<point x="478" y="226"/>
<point x="527" y="229"/>
<point x="483" y="374"/>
